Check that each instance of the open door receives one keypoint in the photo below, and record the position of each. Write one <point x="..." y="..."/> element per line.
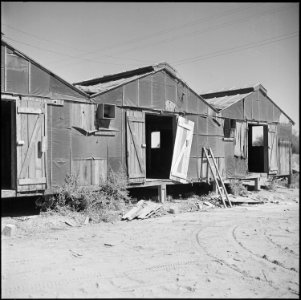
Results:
<point x="31" y="134"/>
<point x="273" y="153"/>
<point x="182" y="147"/>
<point x="136" y="146"/>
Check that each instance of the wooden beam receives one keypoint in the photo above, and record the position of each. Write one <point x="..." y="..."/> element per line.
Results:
<point x="28" y="181"/>
<point x="29" y="110"/>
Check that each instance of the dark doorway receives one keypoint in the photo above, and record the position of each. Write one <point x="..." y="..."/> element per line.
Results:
<point x="159" y="132"/>
<point x="257" y="148"/>
<point x="7" y="144"/>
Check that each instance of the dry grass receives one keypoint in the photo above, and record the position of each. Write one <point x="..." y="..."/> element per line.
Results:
<point x="106" y="203"/>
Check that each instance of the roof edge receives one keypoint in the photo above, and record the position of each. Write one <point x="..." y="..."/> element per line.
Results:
<point x="45" y="69"/>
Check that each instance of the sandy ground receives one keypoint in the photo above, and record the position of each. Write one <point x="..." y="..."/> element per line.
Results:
<point x="245" y="251"/>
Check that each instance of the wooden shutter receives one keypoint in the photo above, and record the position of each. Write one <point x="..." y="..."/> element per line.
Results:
<point x="31" y="136"/>
<point x="182" y="147"/>
<point x="136" y="146"/>
<point x="284" y="156"/>
<point x="272" y="146"/>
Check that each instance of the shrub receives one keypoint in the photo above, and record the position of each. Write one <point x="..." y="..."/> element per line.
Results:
<point x="111" y="194"/>
<point x="237" y="188"/>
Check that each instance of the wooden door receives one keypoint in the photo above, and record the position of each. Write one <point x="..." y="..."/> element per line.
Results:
<point x="136" y="146"/>
<point x="31" y="133"/>
<point x="272" y="149"/>
<point x="181" y="152"/>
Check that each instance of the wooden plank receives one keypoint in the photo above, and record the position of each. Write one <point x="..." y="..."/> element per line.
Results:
<point x="25" y="138"/>
<point x="215" y="179"/>
<point x="18" y="138"/>
<point x="33" y="155"/>
<point x="220" y="178"/>
<point x="29" y="110"/>
<point x="182" y="147"/>
<point x="135" y="137"/>
<point x="28" y="181"/>
<point x="13" y="139"/>
<point x="45" y="155"/>
<point x="31" y="147"/>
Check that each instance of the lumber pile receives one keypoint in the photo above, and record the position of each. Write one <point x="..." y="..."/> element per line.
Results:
<point x="142" y="210"/>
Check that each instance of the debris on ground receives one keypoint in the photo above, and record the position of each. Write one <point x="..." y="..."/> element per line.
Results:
<point x="142" y="210"/>
<point x="9" y="230"/>
<point x="75" y="254"/>
<point x="70" y="223"/>
<point x="241" y="199"/>
<point x="87" y="220"/>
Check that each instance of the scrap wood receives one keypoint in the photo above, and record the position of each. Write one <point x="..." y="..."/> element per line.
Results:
<point x="75" y="253"/>
<point x="208" y="204"/>
<point x="70" y="223"/>
<point x="129" y="215"/>
<point x="150" y="207"/>
<point x="155" y="212"/>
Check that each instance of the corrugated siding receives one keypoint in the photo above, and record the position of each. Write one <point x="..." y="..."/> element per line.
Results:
<point x="111" y="97"/>
<point x="17" y="70"/>
<point x="145" y="91"/>
<point x="2" y="68"/>
<point x="131" y="93"/>
<point x="235" y="111"/>
<point x="170" y="89"/>
<point x="192" y="103"/>
<point x="61" y="144"/>
<point x="158" y="90"/>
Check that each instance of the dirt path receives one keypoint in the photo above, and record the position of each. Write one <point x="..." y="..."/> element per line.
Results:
<point x="245" y="251"/>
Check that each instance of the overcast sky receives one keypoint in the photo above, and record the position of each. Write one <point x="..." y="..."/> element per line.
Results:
<point x="213" y="46"/>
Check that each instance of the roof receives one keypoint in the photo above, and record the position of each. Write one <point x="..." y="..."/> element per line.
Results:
<point x="97" y="86"/>
<point x="101" y="87"/>
<point x="221" y="103"/>
<point x="221" y="100"/>
<point x="43" y="68"/>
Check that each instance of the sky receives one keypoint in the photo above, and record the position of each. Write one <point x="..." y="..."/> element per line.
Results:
<point x="213" y="46"/>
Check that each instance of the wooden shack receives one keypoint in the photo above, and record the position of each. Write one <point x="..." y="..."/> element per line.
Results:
<point x="256" y="132"/>
<point x="159" y="125"/>
<point x="38" y="141"/>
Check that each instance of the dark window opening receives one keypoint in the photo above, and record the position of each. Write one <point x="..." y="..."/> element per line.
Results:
<point x="257" y="148"/>
<point x="229" y="128"/>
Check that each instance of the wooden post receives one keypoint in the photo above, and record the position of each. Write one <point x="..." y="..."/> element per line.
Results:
<point x="214" y="187"/>
<point x="162" y="193"/>
<point x="256" y="186"/>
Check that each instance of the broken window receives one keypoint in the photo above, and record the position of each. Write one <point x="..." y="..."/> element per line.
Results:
<point x="155" y="140"/>
<point x="229" y="128"/>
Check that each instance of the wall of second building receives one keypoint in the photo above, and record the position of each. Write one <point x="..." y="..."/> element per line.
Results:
<point x="162" y="92"/>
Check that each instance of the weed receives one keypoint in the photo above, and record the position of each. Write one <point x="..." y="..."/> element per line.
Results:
<point x="98" y="203"/>
<point x="237" y="188"/>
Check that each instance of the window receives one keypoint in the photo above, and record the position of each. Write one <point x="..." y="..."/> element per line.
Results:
<point x="229" y="128"/>
<point x="106" y="111"/>
<point x="257" y="136"/>
<point x="155" y="140"/>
